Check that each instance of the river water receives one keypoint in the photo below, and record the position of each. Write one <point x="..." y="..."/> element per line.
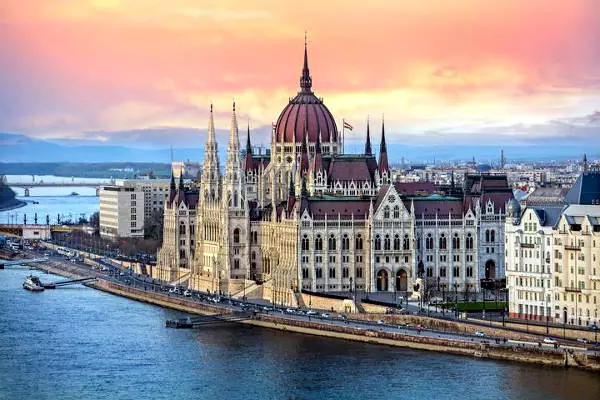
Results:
<point x="79" y="343"/>
<point x="52" y="201"/>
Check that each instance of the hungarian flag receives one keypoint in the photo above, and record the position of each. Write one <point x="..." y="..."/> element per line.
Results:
<point x="348" y="126"/>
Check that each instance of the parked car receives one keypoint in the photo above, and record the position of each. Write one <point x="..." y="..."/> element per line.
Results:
<point x="311" y="312"/>
<point x="187" y="293"/>
<point x="479" y="334"/>
<point x="380" y="322"/>
<point x="550" y="340"/>
<point x="290" y="311"/>
<point x="325" y="315"/>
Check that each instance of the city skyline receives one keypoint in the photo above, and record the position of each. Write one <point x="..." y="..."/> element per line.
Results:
<point x="114" y="72"/>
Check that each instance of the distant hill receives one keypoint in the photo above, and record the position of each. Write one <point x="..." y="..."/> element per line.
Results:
<point x="21" y="148"/>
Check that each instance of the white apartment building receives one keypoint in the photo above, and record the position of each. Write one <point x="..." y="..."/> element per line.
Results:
<point x="122" y="215"/>
<point x="121" y="212"/>
<point x="529" y="259"/>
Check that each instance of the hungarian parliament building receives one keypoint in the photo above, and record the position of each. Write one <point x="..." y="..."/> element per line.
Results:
<point x="305" y="217"/>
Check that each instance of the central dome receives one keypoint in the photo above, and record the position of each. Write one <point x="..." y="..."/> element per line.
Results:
<point x="305" y="111"/>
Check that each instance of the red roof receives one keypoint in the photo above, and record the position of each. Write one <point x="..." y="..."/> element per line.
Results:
<point x="415" y="188"/>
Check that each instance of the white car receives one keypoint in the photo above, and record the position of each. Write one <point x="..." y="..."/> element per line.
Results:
<point x="380" y="322"/>
<point x="187" y="293"/>
<point x="479" y="333"/>
<point x="549" y="340"/>
<point x="311" y="312"/>
<point x="290" y="311"/>
<point x="325" y="315"/>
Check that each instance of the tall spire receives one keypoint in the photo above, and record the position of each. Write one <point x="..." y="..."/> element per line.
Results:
<point x="304" y="163"/>
<point x="585" y="163"/>
<point x="368" y="150"/>
<point x="210" y="182"/>
<point x="317" y="161"/>
<point x="248" y="144"/>
<point x="181" y="179"/>
<point x="383" y="158"/>
<point x="292" y="192"/>
<point x="305" y="79"/>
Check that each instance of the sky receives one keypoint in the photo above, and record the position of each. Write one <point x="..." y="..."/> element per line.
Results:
<point x="117" y="71"/>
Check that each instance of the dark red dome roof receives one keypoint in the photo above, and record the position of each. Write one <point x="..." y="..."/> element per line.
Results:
<point x="305" y="108"/>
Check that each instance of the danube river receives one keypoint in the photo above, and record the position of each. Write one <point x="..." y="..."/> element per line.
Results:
<point x="52" y="201"/>
<point x="79" y="343"/>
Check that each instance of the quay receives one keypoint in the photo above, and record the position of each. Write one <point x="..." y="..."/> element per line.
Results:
<point x="454" y="339"/>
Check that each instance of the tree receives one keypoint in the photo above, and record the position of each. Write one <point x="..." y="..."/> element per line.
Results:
<point x="153" y="226"/>
<point x="95" y="220"/>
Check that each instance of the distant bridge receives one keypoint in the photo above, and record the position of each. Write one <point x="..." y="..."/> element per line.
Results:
<point x="27" y="186"/>
<point x="25" y="261"/>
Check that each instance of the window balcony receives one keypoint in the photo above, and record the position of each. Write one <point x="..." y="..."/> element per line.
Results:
<point x="572" y="247"/>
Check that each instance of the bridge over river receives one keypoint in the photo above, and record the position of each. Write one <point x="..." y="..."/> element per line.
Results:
<point x="28" y="185"/>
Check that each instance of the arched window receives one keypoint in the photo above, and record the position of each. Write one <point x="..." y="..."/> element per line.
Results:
<point x="418" y="242"/>
<point x="487" y="235"/>
<point x="492" y="236"/>
<point x="456" y="242"/>
<point x="377" y="242"/>
<point x="318" y="243"/>
<point x="443" y="242"/>
<point x="406" y="243"/>
<point x="469" y="242"/>
<point x="236" y="235"/>
<point x="236" y="263"/>
<point x="345" y="242"/>
<point x="387" y="242"/>
<point x="182" y="229"/>
<point x="396" y="242"/>
<point x="396" y="212"/>
<point x="358" y="243"/>
<point x="332" y="243"/>
<point x="386" y="212"/>
<point x="305" y="243"/>
<point x="429" y="242"/>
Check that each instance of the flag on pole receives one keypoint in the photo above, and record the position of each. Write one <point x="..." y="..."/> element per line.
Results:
<point x="348" y="126"/>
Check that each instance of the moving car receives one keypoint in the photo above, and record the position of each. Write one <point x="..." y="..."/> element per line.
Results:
<point x="380" y="322"/>
<point x="311" y="312"/>
<point x="479" y="334"/>
<point x="550" y="340"/>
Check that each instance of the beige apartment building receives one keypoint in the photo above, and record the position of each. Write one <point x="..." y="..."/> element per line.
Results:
<point x="576" y="270"/>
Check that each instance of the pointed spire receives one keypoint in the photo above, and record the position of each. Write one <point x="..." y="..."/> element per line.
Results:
<point x="317" y="162"/>
<point x="181" y="179"/>
<point x="368" y="150"/>
<point x="383" y="158"/>
<point x="304" y="163"/>
<point x="248" y="144"/>
<point x="452" y="179"/>
<point x="585" y="163"/>
<point x="172" y="187"/>
<point x="305" y="79"/>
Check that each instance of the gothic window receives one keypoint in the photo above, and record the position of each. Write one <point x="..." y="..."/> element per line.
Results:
<point x="305" y="243"/>
<point x="492" y="236"/>
<point x="406" y="243"/>
<point x="490" y="207"/>
<point x="443" y="272"/>
<point x="182" y="229"/>
<point x="304" y="273"/>
<point x="487" y="235"/>
<point x="396" y="212"/>
<point x="236" y="235"/>
<point x="456" y="242"/>
<point x="358" y="242"/>
<point x="332" y="273"/>
<point x="387" y="242"/>
<point x="319" y="243"/>
<point x="345" y="242"/>
<point x="332" y="243"/>
<point x="319" y="273"/>
<point x="469" y="242"/>
<point x="377" y="242"/>
<point x="443" y="242"/>
<point x="182" y="253"/>
<point x="429" y="242"/>
<point x="397" y="242"/>
<point x="253" y="255"/>
<point x="386" y="212"/>
<point x="418" y="243"/>
<point x="236" y="263"/>
<point x="429" y="272"/>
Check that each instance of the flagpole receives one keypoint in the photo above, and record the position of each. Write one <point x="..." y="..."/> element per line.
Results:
<point x="343" y="134"/>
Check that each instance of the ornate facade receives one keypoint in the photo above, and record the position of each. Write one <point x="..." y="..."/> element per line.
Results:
<point x="305" y="217"/>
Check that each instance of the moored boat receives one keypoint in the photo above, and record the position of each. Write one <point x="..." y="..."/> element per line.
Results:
<point x="33" y="283"/>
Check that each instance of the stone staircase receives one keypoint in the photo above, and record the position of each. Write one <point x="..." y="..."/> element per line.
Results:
<point x="252" y="291"/>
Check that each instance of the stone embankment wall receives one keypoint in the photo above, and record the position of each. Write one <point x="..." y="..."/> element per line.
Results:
<point x="554" y="331"/>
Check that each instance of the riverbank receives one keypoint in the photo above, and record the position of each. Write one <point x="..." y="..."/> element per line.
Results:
<point x="541" y="356"/>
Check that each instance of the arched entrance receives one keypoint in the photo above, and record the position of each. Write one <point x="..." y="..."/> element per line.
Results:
<point x="382" y="280"/>
<point x="401" y="281"/>
<point x="490" y="269"/>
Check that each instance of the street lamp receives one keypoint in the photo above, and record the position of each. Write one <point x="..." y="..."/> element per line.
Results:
<point x="564" y="322"/>
<point x="455" y="300"/>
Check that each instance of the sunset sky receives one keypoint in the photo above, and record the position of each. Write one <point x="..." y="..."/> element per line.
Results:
<point x="483" y="70"/>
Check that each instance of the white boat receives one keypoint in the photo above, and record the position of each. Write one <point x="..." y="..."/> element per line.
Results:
<point x="33" y="283"/>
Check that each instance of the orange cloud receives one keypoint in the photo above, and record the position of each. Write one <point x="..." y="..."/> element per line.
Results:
<point x="116" y="64"/>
